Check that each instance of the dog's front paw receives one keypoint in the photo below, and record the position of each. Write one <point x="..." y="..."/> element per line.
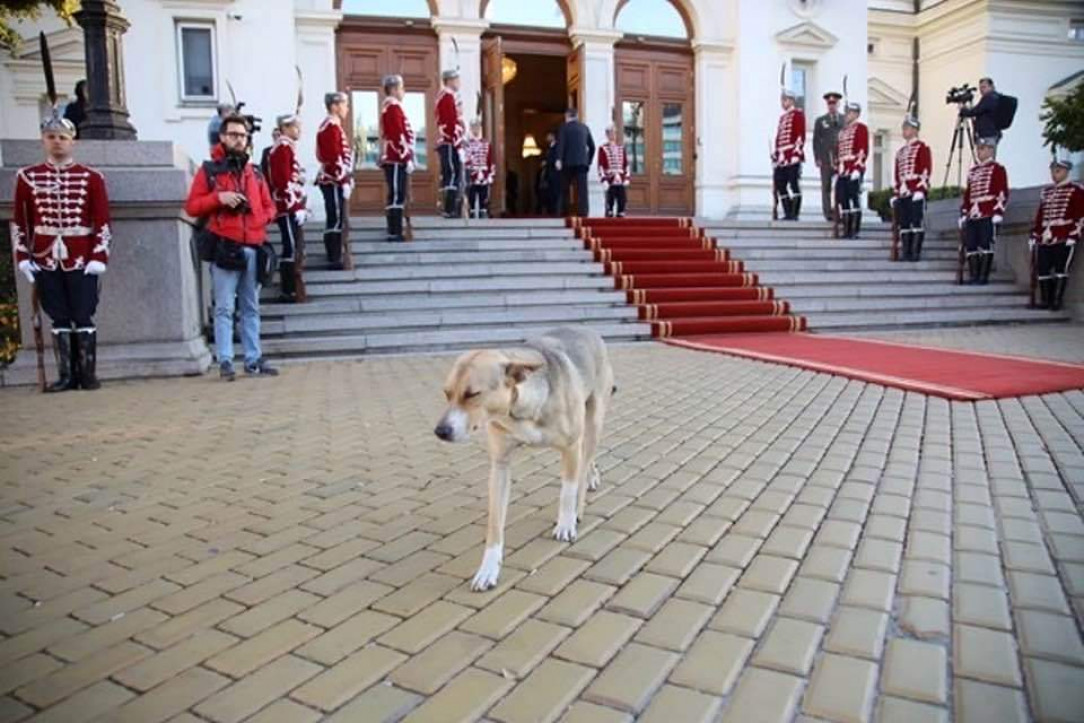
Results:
<point x="488" y="571"/>
<point x="565" y="530"/>
<point x="594" y="478"/>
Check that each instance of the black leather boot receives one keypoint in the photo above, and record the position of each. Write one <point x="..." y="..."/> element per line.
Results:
<point x="916" y="247"/>
<point x="906" y="246"/>
<point x="987" y="265"/>
<point x="1057" y="292"/>
<point x="87" y="354"/>
<point x="857" y="223"/>
<point x="1046" y="293"/>
<point x="395" y="224"/>
<point x="287" y="282"/>
<point x="974" y="262"/>
<point x="65" y="363"/>
<point x="797" y="207"/>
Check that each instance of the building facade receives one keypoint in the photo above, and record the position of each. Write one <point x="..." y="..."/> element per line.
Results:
<point x="697" y="106"/>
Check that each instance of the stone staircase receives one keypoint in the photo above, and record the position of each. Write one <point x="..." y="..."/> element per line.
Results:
<point x="456" y="286"/>
<point x="851" y="285"/>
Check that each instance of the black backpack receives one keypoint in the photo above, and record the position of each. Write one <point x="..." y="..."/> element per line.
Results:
<point x="207" y="242"/>
<point x="1005" y="111"/>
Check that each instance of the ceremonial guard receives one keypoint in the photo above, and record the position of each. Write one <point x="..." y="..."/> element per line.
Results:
<point x="982" y="210"/>
<point x="397" y="153"/>
<point x="788" y="155"/>
<point x="852" y="151"/>
<point x="825" y="136"/>
<point x="336" y="176"/>
<point x="287" y="181"/>
<point x="914" y="164"/>
<point x="60" y="233"/>
<point x="1059" y="223"/>
<point x="451" y="140"/>
<point x="613" y="172"/>
<point x="480" y="171"/>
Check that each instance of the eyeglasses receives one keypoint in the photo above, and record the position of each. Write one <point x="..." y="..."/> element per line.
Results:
<point x="234" y="134"/>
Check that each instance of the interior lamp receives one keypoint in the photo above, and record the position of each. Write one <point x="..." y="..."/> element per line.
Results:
<point x="530" y="147"/>
<point x="508" y="70"/>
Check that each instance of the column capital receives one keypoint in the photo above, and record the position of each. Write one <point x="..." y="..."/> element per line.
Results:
<point x="595" y="36"/>
<point x="318" y="19"/>
<point x="717" y="46"/>
<point x="462" y="27"/>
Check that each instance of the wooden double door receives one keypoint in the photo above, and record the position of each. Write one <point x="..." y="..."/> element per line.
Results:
<point x="655" y="113"/>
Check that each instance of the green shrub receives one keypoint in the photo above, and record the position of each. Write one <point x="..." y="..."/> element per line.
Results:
<point x="881" y="201"/>
<point x="9" y="303"/>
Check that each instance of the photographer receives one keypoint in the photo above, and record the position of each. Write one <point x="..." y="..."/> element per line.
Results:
<point x="985" y="113"/>
<point x="232" y="195"/>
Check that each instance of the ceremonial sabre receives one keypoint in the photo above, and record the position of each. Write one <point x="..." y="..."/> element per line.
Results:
<point x="35" y="293"/>
<point x="299" y="243"/>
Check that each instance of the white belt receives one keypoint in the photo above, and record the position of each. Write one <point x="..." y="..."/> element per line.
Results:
<point x="65" y="231"/>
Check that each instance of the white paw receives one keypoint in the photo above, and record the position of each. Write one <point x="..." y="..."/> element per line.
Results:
<point x="565" y="530"/>
<point x="488" y="571"/>
<point x="594" y="479"/>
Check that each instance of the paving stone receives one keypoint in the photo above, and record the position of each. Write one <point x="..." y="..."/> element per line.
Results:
<point x="102" y="699"/>
<point x="763" y="695"/>
<point x="252" y="693"/>
<point x="980" y="569"/>
<point x="465" y="698"/>
<point x="979" y="605"/>
<point x="544" y="694"/>
<point x="810" y="599"/>
<point x="643" y="595"/>
<point x="745" y="612"/>
<point x="789" y="646"/>
<point x="345" y="638"/>
<point x="1046" y="635"/>
<point x="675" y="625"/>
<point x="672" y="703"/>
<point x="915" y="670"/>
<point x="734" y="550"/>
<point x="630" y="680"/>
<point x="60" y="684"/>
<point x="769" y="574"/>
<point x="152" y="671"/>
<point x="985" y="655"/>
<point x="576" y="603"/>
<point x="282" y="711"/>
<point x="599" y="639"/>
<point x="977" y="702"/>
<point x="677" y="559"/>
<point x="924" y="617"/>
<point x="347" y="678"/>
<point x="502" y="616"/>
<point x="416" y="633"/>
<point x="427" y="672"/>
<point x="882" y="555"/>
<point x="826" y="563"/>
<point x="857" y="632"/>
<point x="525" y="648"/>
<point x="713" y="663"/>
<point x="868" y="588"/>
<point x="380" y="702"/>
<point x="618" y="566"/>
<point x="841" y="689"/>
<point x="1042" y="592"/>
<point x="1054" y="690"/>
<point x="554" y="576"/>
<point x="925" y="578"/>
<point x="260" y="650"/>
<point x="898" y="710"/>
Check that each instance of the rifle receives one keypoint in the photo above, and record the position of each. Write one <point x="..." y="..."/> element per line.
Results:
<point x="344" y="235"/>
<point x="960" y="260"/>
<point x="775" y="191"/>
<point x="1034" y="274"/>
<point x="408" y="232"/>
<point x="299" y="265"/>
<point x="895" y="254"/>
<point x="836" y="212"/>
<point x="39" y="342"/>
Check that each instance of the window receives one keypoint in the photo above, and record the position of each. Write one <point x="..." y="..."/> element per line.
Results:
<point x="651" y="17"/>
<point x="535" y="14"/>
<point x="801" y="77"/>
<point x="1076" y="31"/>
<point x="196" y="58"/>
<point x="632" y="115"/>
<point x="673" y="131"/>
<point x="365" y="106"/>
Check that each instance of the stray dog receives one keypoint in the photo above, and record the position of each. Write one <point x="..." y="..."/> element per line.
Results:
<point x="551" y="392"/>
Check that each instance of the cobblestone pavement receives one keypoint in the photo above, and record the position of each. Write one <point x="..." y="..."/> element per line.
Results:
<point x="1061" y="342"/>
<point x="769" y="544"/>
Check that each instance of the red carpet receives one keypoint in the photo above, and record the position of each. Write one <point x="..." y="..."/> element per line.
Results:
<point x="680" y="279"/>
<point x="965" y="376"/>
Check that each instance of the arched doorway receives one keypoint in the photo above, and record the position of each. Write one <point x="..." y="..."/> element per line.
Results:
<point x="655" y="105"/>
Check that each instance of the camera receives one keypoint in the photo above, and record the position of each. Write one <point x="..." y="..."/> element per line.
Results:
<point x="962" y="95"/>
<point x="253" y="121"/>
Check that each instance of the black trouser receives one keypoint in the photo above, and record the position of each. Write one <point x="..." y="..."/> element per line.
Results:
<point x="478" y="198"/>
<point x="909" y="218"/>
<point x="979" y="237"/>
<point x="787" y="189"/>
<point x="70" y="298"/>
<point x="848" y="191"/>
<point x="334" y="204"/>
<point x="616" y="195"/>
<point x="552" y="195"/>
<point x="293" y="252"/>
<point x="395" y="176"/>
<point x="575" y="176"/>
<point x="451" y="168"/>
<point x="1052" y="264"/>
<point x="826" y="188"/>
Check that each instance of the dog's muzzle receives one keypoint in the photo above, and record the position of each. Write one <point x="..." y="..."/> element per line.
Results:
<point x="453" y="426"/>
<point x="444" y="431"/>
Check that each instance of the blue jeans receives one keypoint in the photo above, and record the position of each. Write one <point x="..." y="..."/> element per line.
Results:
<point x="242" y="285"/>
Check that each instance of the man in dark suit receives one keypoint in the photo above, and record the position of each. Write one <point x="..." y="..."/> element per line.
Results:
<point x="985" y="113"/>
<point x="825" y="134"/>
<point x="575" y="149"/>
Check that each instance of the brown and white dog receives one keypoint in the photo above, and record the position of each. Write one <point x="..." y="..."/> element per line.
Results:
<point x="551" y="392"/>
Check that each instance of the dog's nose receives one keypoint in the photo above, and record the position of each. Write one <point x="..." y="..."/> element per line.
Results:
<point x="444" y="431"/>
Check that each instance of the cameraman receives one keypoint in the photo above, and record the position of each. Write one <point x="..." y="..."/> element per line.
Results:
<point x="231" y="194"/>
<point x="985" y="113"/>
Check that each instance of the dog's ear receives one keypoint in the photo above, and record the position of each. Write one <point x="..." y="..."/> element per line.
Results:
<point x="516" y="372"/>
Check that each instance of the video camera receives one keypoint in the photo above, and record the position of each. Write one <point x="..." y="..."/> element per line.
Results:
<point x="252" y="120"/>
<point x="962" y="95"/>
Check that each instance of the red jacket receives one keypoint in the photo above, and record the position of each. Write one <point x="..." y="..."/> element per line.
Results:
<point x="790" y="138"/>
<point x="396" y="134"/>
<point x="249" y="228"/>
<point x="613" y="164"/>
<point x="61" y="216"/>
<point x="853" y="148"/>
<point x="1060" y="216"/>
<point x="479" y="165"/>
<point x="987" y="192"/>
<point x="334" y="154"/>
<point x="914" y="163"/>
<point x="287" y="179"/>
<point x="450" y="126"/>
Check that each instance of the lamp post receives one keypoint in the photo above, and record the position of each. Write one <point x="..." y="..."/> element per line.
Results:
<point x="107" y="114"/>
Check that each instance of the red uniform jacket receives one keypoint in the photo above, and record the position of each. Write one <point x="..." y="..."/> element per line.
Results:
<point x="987" y="192"/>
<point x="613" y="165"/>
<point x="334" y="154"/>
<point x="479" y="164"/>
<point x="396" y="133"/>
<point x="1060" y="216"/>
<point x="287" y="178"/>
<point x="245" y="228"/>
<point x="61" y="216"/>
<point x="790" y="138"/>
<point x="914" y="163"/>
<point x="852" y="148"/>
<point x="450" y="125"/>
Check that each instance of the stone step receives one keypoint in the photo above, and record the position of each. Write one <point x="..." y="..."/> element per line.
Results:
<point x="839" y="321"/>
<point x="826" y="234"/>
<point x="436" y="222"/>
<point x="348" y="345"/>
<point x="444" y="301"/>
<point x="432" y="319"/>
<point x="407" y="271"/>
<point x="751" y="255"/>
<point x="436" y="286"/>
<point x="442" y="258"/>
<point x="811" y="245"/>
<point x="783" y="279"/>
<point x="852" y="266"/>
<point x="815" y="306"/>
<point x="860" y="289"/>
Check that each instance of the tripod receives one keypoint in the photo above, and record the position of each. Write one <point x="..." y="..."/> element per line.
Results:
<point x="956" y="149"/>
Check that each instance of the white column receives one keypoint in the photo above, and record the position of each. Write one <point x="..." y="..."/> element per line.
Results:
<point x="598" y="94"/>
<point x="315" y="47"/>
<point x="467" y="35"/>
<point x="716" y="122"/>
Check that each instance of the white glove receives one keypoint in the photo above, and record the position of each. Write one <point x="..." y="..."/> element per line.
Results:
<point x="961" y="222"/>
<point x="1031" y="242"/>
<point x="855" y="175"/>
<point x="348" y="190"/>
<point x="301" y="216"/>
<point x="94" y="268"/>
<point x="998" y="220"/>
<point x="918" y="196"/>
<point x="27" y="269"/>
<point x="1071" y="242"/>
<point x="410" y="167"/>
<point x="558" y="165"/>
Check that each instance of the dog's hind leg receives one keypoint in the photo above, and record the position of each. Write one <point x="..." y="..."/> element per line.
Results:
<point x="500" y="486"/>
<point x="571" y="477"/>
